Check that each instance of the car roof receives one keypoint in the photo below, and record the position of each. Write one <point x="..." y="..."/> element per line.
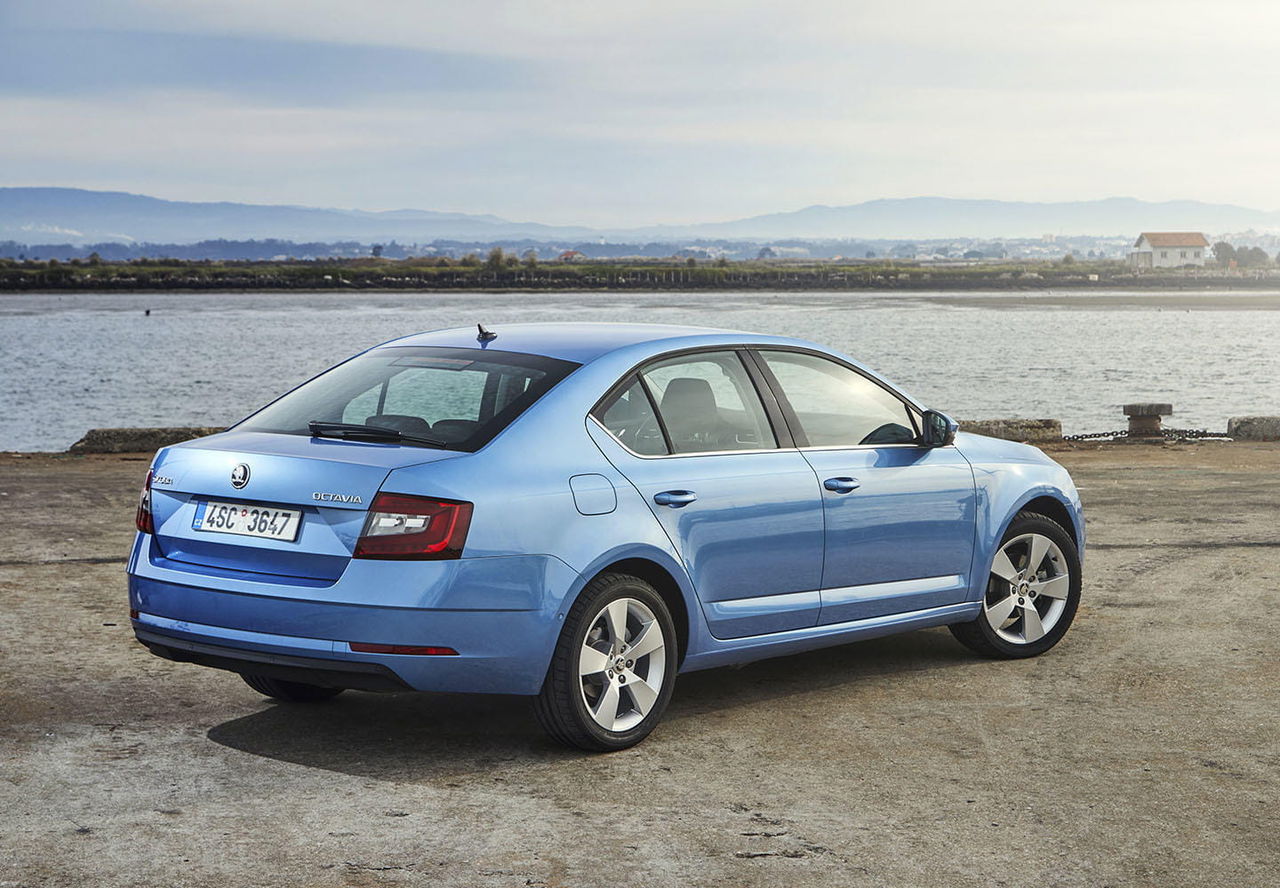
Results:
<point x="620" y="345"/>
<point x="578" y="342"/>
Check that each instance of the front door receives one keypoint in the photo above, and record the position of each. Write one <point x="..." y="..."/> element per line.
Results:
<point x="692" y="436"/>
<point x="900" y="517"/>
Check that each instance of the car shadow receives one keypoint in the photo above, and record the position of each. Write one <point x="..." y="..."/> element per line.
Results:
<point x="417" y="737"/>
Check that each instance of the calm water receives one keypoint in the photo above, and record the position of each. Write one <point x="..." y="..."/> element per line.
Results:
<point x="73" y="362"/>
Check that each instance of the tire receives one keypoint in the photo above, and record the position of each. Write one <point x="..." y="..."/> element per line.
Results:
<point x="1024" y="616"/>
<point x="598" y="710"/>
<point x="293" y="691"/>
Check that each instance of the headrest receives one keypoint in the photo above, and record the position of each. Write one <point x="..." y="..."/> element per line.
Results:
<point x="452" y="430"/>
<point x="409" y="425"/>
<point x="689" y="397"/>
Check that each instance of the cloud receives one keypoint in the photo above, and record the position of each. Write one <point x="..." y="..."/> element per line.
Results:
<point x="627" y="114"/>
<point x="115" y="62"/>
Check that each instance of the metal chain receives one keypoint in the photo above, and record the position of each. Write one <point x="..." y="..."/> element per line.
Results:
<point x="1168" y="434"/>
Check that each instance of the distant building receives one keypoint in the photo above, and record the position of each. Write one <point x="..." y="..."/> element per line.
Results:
<point x="572" y="256"/>
<point x="1168" y="249"/>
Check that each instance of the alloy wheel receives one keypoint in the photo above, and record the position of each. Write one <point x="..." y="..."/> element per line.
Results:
<point x="1028" y="589"/>
<point x="622" y="664"/>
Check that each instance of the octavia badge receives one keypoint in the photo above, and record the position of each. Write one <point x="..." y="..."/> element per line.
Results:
<point x="240" y="476"/>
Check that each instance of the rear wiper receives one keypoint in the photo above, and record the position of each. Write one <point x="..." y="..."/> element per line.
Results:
<point x="322" y="429"/>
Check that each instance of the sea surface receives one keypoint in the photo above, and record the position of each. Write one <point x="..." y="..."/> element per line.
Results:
<point x="70" y="362"/>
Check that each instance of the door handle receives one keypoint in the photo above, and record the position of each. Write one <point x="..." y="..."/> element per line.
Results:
<point x="841" y="485"/>
<point x="676" y="499"/>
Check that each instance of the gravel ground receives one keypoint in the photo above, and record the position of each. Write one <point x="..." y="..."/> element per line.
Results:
<point x="1143" y="750"/>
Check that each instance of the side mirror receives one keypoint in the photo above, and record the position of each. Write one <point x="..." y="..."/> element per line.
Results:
<point x="939" y="429"/>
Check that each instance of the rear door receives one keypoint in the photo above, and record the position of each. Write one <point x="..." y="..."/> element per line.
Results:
<point x="900" y="517"/>
<point x="691" y="432"/>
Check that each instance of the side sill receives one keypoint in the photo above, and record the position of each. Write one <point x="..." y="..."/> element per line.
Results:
<point x="793" y="641"/>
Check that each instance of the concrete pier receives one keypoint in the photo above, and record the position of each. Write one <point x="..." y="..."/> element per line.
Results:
<point x="1254" y="428"/>
<point x="137" y="440"/>
<point x="1032" y="431"/>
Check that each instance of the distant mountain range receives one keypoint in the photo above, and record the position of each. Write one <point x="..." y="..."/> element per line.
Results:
<point x="60" y="215"/>
<point x="942" y="217"/>
<point x="73" y="215"/>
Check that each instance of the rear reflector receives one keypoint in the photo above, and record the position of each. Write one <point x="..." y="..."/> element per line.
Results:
<point x="414" y="527"/>
<point x="363" y="648"/>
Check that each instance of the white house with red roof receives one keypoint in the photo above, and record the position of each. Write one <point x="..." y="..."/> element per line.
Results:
<point x="1169" y="249"/>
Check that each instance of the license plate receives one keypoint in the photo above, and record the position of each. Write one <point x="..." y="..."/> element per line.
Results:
<point x="255" y="521"/>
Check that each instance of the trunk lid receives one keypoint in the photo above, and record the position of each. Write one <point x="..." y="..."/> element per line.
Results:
<point x="331" y="482"/>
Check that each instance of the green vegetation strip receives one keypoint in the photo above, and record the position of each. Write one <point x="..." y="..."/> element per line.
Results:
<point x="506" y="272"/>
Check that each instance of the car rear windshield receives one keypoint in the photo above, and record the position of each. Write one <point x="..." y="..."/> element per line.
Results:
<point x="460" y="397"/>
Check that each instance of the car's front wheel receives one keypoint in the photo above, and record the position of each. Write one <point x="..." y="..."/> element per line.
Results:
<point x="614" y="666"/>
<point x="1032" y="592"/>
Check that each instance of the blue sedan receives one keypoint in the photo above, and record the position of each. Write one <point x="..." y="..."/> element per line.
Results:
<point x="579" y="512"/>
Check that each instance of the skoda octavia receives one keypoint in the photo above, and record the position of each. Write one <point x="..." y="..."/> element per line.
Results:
<point x="579" y="512"/>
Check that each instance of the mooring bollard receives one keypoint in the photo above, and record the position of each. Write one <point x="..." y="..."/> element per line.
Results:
<point x="1144" y="419"/>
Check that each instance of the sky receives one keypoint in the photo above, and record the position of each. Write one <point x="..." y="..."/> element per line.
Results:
<point x="661" y="111"/>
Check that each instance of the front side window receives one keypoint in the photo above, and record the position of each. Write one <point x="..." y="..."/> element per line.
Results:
<point x="707" y="402"/>
<point x="462" y="397"/>
<point x="837" y="406"/>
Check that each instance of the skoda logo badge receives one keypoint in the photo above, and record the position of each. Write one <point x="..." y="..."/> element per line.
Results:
<point x="240" y="476"/>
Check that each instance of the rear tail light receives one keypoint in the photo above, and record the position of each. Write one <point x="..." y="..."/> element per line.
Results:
<point x="414" y="527"/>
<point x="143" y="518"/>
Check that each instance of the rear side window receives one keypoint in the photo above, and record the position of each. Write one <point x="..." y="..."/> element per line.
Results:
<point x="836" y="406"/>
<point x="463" y="397"/>
<point x="629" y="417"/>
<point x="707" y="402"/>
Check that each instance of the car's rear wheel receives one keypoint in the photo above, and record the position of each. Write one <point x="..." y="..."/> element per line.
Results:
<point x="613" y="669"/>
<point x="294" y="691"/>
<point x="1032" y="592"/>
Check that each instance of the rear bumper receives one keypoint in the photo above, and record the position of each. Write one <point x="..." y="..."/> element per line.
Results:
<point x="305" y="634"/>
<point x="497" y="653"/>
<point x="311" y="670"/>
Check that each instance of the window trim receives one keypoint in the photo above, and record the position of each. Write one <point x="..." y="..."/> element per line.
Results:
<point x="616" y="391"/>
<point x="777" y="427"/>
<point x="653" y="405"/>
<point x="782" y="433"/>
<point x="777" y="408"/>
<point x="777" y="424"/>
